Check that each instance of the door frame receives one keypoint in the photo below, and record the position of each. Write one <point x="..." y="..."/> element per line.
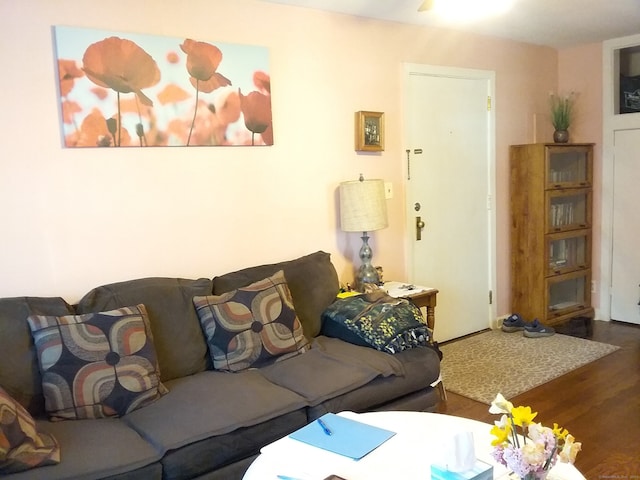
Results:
<point x="610" y="124"/>
<point x="465" y="73"/>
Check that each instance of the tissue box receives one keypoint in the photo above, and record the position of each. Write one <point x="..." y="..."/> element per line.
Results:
<point x="480" y="471"/>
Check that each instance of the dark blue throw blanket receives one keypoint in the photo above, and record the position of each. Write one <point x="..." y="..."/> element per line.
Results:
<point x="376" y="320"/>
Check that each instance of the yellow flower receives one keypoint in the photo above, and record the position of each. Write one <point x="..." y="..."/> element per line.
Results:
<point x="559" y="432"/>
<point x="522" y="416"/>
<point x="570" y="449"/>
<point x="501" y="431"/>
<point x="500" y="405"/>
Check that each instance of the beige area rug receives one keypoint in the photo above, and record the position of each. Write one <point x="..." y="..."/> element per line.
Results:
<point x="480" y="366"/>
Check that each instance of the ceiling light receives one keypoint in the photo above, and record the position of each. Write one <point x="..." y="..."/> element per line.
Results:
<point x="466" y="10"/>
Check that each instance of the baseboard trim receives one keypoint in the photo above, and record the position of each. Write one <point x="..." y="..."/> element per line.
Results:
<point x="497" y="323"/>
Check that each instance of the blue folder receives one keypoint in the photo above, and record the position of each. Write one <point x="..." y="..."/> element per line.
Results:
<point x="348" y="437"/>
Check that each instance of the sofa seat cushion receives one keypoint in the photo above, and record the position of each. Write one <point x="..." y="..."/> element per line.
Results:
<point x="22" y="447"/>
<point x="92" y="449"/>
<point x="421" y="367"/>
<point x="96" y="365"/>
<point x="19" y="371"/>
<point x="338" y="367"/>
<point x="211" y="403"/>
<point x="252" y="326"/>
<point x="199" y="459"/>
<point x="177" y="335"/>
<point x="312" y="279"/>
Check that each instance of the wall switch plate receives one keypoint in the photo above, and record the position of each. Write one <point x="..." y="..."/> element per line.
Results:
<point x="388" y="190"/>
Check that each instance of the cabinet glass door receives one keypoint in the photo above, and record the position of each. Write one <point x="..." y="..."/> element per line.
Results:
<point x="568" y="209"/>
<point x="568" y="252"/>
<point x="567" y="293"/>
<point x="568" y="167"/>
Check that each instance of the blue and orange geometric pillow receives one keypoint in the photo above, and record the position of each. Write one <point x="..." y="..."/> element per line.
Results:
<point x="98" y="364"/>
<point x="252" y="326"/>
<point x="21" y="445"/>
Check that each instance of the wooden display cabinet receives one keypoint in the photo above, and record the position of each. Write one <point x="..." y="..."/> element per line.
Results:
<point x="551" y="205"/>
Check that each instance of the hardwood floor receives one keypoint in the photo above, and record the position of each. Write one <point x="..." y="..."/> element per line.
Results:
<point x="598" y="403"/>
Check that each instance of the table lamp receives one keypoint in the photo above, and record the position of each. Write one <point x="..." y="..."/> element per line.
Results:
<point x="363" y="208"/>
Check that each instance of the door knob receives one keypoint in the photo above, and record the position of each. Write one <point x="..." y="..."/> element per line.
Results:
<point x="419" y="226"/>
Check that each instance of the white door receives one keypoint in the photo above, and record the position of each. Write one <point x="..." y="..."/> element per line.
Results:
<point x="449" y="186"/>
<point x="625" y="267"/>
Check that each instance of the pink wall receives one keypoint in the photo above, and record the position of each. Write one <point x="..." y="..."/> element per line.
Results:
<point x="580" y="70"/>
<point x="74" y="219"/>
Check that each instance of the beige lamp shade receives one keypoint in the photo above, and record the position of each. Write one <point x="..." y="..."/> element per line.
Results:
<point x="363" y="207"/>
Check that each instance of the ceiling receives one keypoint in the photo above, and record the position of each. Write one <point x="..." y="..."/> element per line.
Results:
<point x="555" y="23"/>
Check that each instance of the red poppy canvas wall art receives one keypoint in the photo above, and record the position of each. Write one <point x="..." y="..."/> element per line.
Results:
<point x="137" y="90"/>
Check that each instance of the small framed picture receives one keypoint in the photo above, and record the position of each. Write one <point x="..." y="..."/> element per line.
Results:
<point x="369" y="131"/>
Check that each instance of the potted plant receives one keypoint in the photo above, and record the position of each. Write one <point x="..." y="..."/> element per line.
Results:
<point x="561" y="111"/>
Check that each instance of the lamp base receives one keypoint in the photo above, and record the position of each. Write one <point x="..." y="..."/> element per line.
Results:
<point x="367" y="273"/>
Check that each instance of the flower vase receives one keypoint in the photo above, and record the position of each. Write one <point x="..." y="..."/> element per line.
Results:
<point x="561" y="136"/>
<point x="536" y="475"/>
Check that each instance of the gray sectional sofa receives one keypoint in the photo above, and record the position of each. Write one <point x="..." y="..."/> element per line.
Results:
<point x="211" y="424"/>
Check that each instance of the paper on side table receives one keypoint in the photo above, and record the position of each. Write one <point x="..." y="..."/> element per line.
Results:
<point x="402" y="289"/>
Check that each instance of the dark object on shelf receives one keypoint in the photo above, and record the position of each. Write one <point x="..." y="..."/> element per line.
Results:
<point x="629" y="94"/>
<point x="581" y="327"/>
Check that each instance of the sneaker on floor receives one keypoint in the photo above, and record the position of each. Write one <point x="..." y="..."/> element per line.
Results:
<point x="536" y="329"/>
<point x="513" y="323"/>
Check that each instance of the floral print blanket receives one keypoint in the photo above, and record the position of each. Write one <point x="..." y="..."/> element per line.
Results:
<point x="377" y="320"/>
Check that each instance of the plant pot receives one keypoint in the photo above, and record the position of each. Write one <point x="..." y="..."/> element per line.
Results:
<point x="561" y="136"/>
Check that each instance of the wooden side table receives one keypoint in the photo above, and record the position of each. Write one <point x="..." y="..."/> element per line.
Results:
<point x="421" y="296"/>
<point x="426" y="299"/>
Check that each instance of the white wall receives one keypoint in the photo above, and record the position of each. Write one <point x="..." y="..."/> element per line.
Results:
<point x="73" y="219"/>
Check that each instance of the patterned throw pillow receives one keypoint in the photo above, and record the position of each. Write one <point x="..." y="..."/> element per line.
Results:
<point x="98" y="364"/>
<point x="21" y="446"/>
<point x="252" y="326"/>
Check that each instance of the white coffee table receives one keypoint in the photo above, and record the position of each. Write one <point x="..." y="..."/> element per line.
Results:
<point x="407" y="455"/>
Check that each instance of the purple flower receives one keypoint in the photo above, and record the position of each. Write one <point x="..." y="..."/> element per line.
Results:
<point x="498" y="455"/>
<point x="515" y="461"/>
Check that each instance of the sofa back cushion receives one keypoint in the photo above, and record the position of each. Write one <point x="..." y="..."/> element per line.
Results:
<point x="96" y="365"/>
<point x="19" y="372"/>
<point x="177" y="336"/>
<point x="312" y="280"/>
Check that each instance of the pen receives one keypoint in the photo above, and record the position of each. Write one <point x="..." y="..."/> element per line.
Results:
<point x="324" y="427"/>
<point x="285" y="477"/>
